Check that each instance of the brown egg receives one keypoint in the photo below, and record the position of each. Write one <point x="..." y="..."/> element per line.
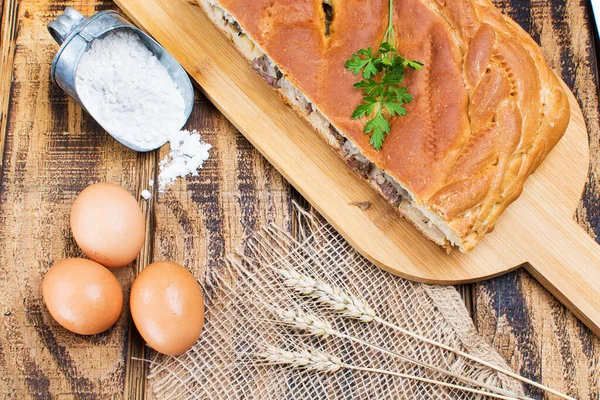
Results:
<point x="167" y="307"/>
<point x="108" y="224"/>
<point x="82" y="296"/>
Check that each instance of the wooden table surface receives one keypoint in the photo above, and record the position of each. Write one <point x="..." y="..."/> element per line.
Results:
<point x="50" y="150"/>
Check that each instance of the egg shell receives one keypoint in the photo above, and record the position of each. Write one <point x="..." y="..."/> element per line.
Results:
<point x="167" y="307"/>
<point x="108" y="224"/>
<point x="82" y="296"/>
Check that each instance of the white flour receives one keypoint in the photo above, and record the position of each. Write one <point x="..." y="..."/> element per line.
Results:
<point x="187" y="155"/>
<point x="146" y="194"/>
<point x="128" y="91"/>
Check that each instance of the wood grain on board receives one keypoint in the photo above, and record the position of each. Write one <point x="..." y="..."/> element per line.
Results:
<point x="43" y="168"/>
<point x="379" y="233"/>
<point x="526" y="324"/>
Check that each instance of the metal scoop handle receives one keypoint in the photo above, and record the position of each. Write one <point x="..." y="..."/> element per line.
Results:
<point x="65" y="24"/>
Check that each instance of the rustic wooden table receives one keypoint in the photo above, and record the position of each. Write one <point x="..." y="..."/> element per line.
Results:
<point x="50" y="150"/>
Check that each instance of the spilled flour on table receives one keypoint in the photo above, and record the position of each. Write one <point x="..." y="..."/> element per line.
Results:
<point x="131" y="94"/>
<point x="146" y="194"/>
<point x="187" y="155"/>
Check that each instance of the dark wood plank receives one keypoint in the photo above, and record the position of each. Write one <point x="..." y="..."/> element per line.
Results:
<point x="525" y="323"/>
<point x="9" y="25"/>
<point x="201" y="219"/>
<point x="52" y="150"/>
<point x="8" y="33"/>
<point x="136" y="372"/>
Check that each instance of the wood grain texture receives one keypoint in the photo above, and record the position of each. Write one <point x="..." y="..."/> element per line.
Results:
<point x="135" y="371"/>
<point x="52" y="151"/>
<point x="201" y="219"/>
<point x="8" y="33"/>
<point x="525" y="323"/>
<point x="9" y="27"/>
<point x="308" y="163"/>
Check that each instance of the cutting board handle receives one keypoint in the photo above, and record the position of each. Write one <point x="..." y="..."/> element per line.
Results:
<point x="566" y="260"/>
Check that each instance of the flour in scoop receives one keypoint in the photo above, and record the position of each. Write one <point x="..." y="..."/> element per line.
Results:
<point x="187" y="155"/>
<point x="128" y="91"/>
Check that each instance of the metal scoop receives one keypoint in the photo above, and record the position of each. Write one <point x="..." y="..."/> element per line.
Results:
<point x="75" y="33"/>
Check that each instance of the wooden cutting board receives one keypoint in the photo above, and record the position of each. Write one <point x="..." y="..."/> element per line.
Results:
<point x="537" y="231"/>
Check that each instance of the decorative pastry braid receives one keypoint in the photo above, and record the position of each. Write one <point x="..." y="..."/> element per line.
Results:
<point x="487" y="109"/>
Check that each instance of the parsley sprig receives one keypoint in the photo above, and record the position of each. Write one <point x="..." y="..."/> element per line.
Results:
<point x="383" y="96"/>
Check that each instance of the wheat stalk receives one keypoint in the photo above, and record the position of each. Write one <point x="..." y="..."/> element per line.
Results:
<point x="349" y="305"/>
<point x="306" y="322"/>
<point x="309" y="360"/>
<point x="315" y="326"/>
<point x="329" y="296"/>
<point x="318" y="361"/>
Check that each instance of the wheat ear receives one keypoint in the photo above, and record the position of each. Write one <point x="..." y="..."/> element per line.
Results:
<point x="329" y="296"/>
<point x="308" y="360"/>
<point x="351" y="306"/>
<point x="318" y="361"/>
<point x="315" y="326"/>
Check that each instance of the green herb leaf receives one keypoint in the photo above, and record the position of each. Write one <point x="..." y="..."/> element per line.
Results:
<point x="392" y="79"/>
<point x="370" y="70"/>
<point x="366" y="52"/>
<point x="386" y="62"/>
<point x="378" y="127"/>
<point x="363" y="109"/>
<point x="383" y="95"/>
<point x="395" y="109"/>
<point x="386" y="47"/>
<point x="363" y="84"/>
<point x="356" y="64"/>
<point x="414" y="64"/>
<point x="402" y="95"/>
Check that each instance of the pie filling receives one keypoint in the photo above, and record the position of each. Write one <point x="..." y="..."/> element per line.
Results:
<point x="424" y="219"/>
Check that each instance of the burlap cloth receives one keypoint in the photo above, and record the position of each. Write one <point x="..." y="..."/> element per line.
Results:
<point x="239" y="295"/>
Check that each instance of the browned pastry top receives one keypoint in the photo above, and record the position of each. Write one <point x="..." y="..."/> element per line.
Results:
<point x="486" y="111"/>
